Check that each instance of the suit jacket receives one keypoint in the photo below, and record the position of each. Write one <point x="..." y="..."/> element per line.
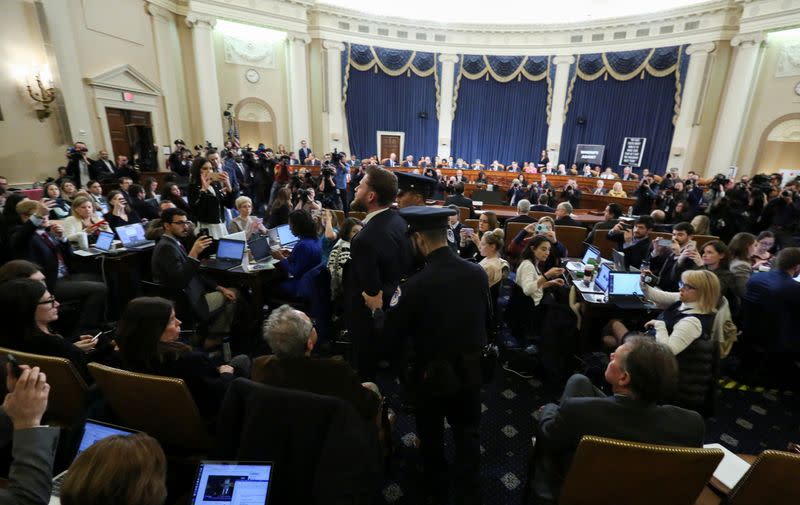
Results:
<point x="74" y="173"/>
<point x="603" y="225"/>
<point x="172" y="267"/>
<point x="381" y="256"/>
<point x="407" y="164"/>
<point x="28" y="245"/>
<point x="232" y="169"/>
<point x="98" y="170"/>
<point x="777" y="295"/>
<point x="322" y="376"/>
<point x="523" y="218"/>
<point x="568" y="221"/>
<point x="302" y="154"/>
<point x="599" y="191"/>
<point x="542" y="208"/>
<point x="461" y="201"/>
<point x="390" y="163"/>
<point x="30" y="477"/>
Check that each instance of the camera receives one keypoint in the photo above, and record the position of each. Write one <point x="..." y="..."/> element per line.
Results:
<point x="303" y="194"/>
<point x="327" y="171"/>
<point x="337" y="157"/>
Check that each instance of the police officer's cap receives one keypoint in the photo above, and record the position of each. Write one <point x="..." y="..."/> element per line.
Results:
<point x="415" y="183"/>
<point x="422" y="218"/>
<point x="180" y="142"/>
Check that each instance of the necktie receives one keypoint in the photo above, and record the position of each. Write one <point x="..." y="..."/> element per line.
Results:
<point x="62" y="266"/>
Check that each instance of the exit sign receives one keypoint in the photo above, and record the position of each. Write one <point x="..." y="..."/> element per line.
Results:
<point x="127" y="96"/>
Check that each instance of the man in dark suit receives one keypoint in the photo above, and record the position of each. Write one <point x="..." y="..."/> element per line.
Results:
<point x="103" y="168"/>
<point x="79" y="163"/>
<point x="634" y="242"/>
<point x="239" y="172"/>
<point x="542" y="205"/>
<point x="304" y="152"/>
<point x="571" y="193"/>
<point x="291" y="336"/>
<point x="777" y="294"/>
<point x="641" y="373"/>
<point x="381" y="256"/>
<point x="611" y="217"/>
<point x="460" y="200"/>
<point x="564" y="217"/>
<point x="409" y="163"/>
<point x="312" y="160"/>
<point x="178" y="270"/>
<point x="599" y="188"/>
<point x="34" y="446"/>
<point x="293" y="159"/>
<point x="391" y="161"/>
<point x="523" y="207"/>
<point x="44" y="243"/>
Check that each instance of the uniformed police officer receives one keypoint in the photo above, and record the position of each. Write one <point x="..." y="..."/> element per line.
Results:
<point x="413" y="189"/>
<point x="444" y="310"/>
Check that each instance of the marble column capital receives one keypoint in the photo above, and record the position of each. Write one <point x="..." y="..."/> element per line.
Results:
<point x="753" y="39"/>
<point x="333" y="45"/>
<point x="298" y="38"/>
<point x="702" y="48"/>
<point x="448" y="58"/>
<point x="159" y="13"/>
<point x="564" y="60"/>
<point x="194" y="19"/>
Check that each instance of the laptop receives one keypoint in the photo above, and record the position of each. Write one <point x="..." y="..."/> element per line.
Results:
<point x="132" y="237"/>
<point x="620" y="265"/>
<point x="93" y="431"/>
<point x="229" y="255"/>
<point x="105" y="241"/>
<point x="592" y="253"/>
<point x="259" y="248"/>
<point x="600" y="284"/>
<point x="625" y="290"/>
<point x="233" y="482"/>
<point x="286" y="239"/>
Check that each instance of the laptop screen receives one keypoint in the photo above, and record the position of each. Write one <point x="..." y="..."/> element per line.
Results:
<point x="131" y="234"/>
<point x="233" y="482"/>
<point x="94" y="431"/>
<point x="104" y="240"/>
<point x="622" y="283"/>
<point x="592" y="253"/>
<point x="619" y="261"/>
<point x="230" y="249"/>
<point x="260" y="248"/>
<point x="285" y="235"/>
<point x="602" y="277"/>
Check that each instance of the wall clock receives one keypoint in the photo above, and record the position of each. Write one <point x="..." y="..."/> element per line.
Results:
<point x="252" y="76"/>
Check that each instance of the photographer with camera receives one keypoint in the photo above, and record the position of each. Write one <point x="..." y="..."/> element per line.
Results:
<point x="570" y="193"/>
<point x="782" y="216"/>
<point x="329" y="198"/>
<point x="645" y="196"/>
<point x="79" y="163"/>
<point x="341" y="172"/>
<point x="633" y="240"/>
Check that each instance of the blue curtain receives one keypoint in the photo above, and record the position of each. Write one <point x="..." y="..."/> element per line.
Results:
<point x="376" y="101"/>
<point x="617" y="109"/>
<point x="500" y="121"/>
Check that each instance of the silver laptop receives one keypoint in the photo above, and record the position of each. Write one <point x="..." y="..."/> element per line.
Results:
<point x="286" y="239"/>
<point x="600" y="284"/>
<point x="232" y="482"/>
<point x="105" y="240"/>
<point x="592" y="252"/>
<point x="132" y="237"/>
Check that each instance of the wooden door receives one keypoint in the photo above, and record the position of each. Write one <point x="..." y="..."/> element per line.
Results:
<point x="131" y="135"/>
<point x="120" y="144"/>
<point x="390" y="144"/>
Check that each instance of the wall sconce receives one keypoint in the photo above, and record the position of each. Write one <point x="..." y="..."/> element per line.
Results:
<point x="44" y="92"/>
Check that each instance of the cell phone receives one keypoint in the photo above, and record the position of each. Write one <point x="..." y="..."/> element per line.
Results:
<point x="203" y="232"/>
<point x="16" y="371"/>
<point x="542" y="228"/>
<point x="468" y="232"/>
<point x="215" y="176"/>
<point x="664" y="242"/>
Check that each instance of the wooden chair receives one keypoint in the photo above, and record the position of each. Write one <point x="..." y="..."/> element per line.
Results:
<point x="463" y="214"/>
<point x="66" y="404"/>
<point x="162" y="407"/>
<point x="572" y="237"/>
<point x="772" y="479"/>
<point x="538" y="214"/>
<point x="703" y="240"/>
<point x="654" y="474"/>
<point x="605" y="245"/>
<point x="471" y="223"/>
<point x="357" y="215"/>
<point x="338" y="218"/>
<point x="512" y="229"/>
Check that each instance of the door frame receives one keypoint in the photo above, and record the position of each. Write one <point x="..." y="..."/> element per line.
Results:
<point x="380" y="133"/>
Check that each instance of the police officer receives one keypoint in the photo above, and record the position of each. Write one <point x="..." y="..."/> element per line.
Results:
<point x="413" y="189"/>
<point x="447" y="331"/>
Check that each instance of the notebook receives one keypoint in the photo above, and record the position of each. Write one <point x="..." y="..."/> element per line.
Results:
<point x="93" y="431"/>
<point x="731" y="469"/>
<point x="229" y="255"/>
<point x="132" y="237"/>
<point x="232" y="482"/>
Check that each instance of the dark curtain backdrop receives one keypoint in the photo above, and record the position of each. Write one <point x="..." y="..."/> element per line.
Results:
<point x="376" y="101"/>
<point x="617" y="109"/>
<point x="500" y="121"/>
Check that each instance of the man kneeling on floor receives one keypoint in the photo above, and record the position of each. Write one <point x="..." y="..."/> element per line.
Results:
<point x="641" y="373"/>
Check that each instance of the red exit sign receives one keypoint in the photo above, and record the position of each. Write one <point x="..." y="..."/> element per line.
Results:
<point x="127" y="96"/>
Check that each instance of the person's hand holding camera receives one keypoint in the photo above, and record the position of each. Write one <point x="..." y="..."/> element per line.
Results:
<point x="200" y="245"/>
<point x="26" y="401"/>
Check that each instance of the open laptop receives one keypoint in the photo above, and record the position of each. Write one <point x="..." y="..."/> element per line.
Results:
<point x="261" y="252"/>
<point x="105" y="240"/>
<point x="233" y="482"/>
<point x="93" y="431"/>
<point x="132" y="237"/>
<point x="620" y="264"/>
<point x="625" y="290"/>
<point x="600" y="284"/>
<point x="229" y="255"/>
<point x="592" y="252"/>
<point x="286" y="238"/>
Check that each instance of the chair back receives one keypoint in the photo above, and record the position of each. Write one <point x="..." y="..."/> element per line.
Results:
<point x="472" y="223"/>
<point x="572" y="237"/>
<point x="463" y="214"/>
<point x="654" y="474"/>
<point x="703" y="240"/>
<point x="538" y="214"/>
<point x="512" y="229"/>
<point x="66" y="404"/>
<point x="338" y="218"/>
<point x="357" y="215"/>
<point x="605" y="245"/>
<point x="160" y="406"/>
<point x="771" y="479"/>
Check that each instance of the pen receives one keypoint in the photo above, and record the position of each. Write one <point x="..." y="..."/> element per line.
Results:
<point x="94" y="339"/>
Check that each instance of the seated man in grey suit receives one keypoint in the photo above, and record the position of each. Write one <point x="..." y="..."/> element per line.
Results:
<point x="34" y="446"/>
<point x="641" y="373"/>
<point x="177" y="270"/>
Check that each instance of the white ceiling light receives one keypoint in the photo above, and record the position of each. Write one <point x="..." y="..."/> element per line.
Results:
<point x="508" y="11"/>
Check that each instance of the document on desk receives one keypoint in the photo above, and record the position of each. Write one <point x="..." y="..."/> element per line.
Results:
<point x="731" y="469"/>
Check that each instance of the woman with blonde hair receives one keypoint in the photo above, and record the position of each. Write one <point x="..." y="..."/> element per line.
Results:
<point x="83" y="220"/>
<point x="490" y="247"/>
<point x="617" y="191"/>
<point x="701" y="224"/>
<point x="245" y="221"/>
<point x="120" y="469"/>
<point x="469" y="242"/>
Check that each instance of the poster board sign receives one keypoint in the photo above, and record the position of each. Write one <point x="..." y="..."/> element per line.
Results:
<point x="788" y="175"/>
<point x="589" y="153"/>
<point x="632" y="151"/>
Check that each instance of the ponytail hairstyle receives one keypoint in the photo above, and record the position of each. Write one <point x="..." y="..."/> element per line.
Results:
<point x="496" y="238"/>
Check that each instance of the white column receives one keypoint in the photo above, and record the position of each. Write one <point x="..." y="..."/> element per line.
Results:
<point x="66" y="71"/>
<point x="336" y="123"/>
<point x="690" y="99"/>
<point x="725" y="148"/>
<point x="298" y="91"/>
<point x="162" y="22"/>
<point x="446" y="105"/>
<point x="207" y="83"/>
<point x="562" y="64"/>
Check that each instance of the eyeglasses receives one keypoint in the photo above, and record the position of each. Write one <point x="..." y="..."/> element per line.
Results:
<point x="180" y="223"/>
<point x="49" y="301"/>
<point x="682" y="285"/>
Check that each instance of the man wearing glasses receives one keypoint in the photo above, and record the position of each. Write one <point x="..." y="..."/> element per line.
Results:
<point x="178" y="270"/>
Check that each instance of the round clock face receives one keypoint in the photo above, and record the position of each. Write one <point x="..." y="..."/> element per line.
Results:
<point x="797" y="89"/>
<point x="252" y="75"/>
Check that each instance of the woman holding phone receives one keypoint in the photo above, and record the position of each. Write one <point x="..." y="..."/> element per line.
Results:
<point x="544" y="227"/>
<point x="471" y="239"/>
<point x="210" y="193"/>
<point x="121" y="214"/>
<point x="83" y="220"/>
